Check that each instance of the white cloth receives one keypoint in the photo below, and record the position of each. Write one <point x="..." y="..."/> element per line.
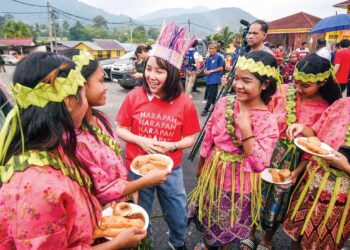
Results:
<point x="324" y="52"/>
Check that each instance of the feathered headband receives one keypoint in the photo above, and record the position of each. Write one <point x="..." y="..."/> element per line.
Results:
<point x="172" y="44"/>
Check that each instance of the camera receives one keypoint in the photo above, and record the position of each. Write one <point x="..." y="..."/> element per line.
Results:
<point x="246" y="48"/>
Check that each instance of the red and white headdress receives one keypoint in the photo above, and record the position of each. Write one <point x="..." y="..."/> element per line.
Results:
<point x="172" y="44"/>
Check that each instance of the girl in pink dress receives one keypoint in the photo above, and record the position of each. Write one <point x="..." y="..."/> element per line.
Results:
<point x="98" y="147"/>
<point x="304" y="102"/>
<point x="45" y="191"/>
<point x="238" y="145"/>
<point x="318" y="216"/>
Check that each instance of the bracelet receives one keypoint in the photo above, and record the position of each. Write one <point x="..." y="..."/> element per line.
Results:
<point x="175" y="148"/>
<point x="248" y="138"/>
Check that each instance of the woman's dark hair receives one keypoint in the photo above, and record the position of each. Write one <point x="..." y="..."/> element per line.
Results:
<point x="172" y="87"/>
<point x="87" y="72"/>
<point x="141" y="48"/>
<point x="267" y="59"/>
<point x="315" y="64"/>
<point x="50" y="127"/>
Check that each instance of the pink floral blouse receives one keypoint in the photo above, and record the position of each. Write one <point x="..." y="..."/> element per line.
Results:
<point x="265" y="129"/>
<point x="306" y="113"/>
<point x="107" y="169"/>
<point x="332" y="127"/>
<point x="41" y="208"/>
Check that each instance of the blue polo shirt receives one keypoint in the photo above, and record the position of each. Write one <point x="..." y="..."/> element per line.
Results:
<point x="214" y="62"/>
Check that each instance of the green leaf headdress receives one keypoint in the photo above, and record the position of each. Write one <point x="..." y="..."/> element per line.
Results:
<point x="313" y="78"/>
<point x="40" y="96"/>
<point x="258" y="67"/>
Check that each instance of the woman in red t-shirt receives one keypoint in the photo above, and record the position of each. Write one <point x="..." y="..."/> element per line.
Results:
<point x="159" y="118"/>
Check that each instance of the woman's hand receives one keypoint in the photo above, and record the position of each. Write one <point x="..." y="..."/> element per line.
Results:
<point x="110" y="204"/>
<point x="149" y="145"/>
<point x="339" y="161"/>
<point x="294" y="130"/>
<point x="224" y="80"/>
<point x="243" y="120"/>
<point x="135" y="197"/>
<point x="129" y="238"/>
<point x="156" y="176"/>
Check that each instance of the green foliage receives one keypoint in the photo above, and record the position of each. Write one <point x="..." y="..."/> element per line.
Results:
<point x="100" y="22"/>
<point x="13" y="29"/>
<point x="77" y="32"/>
<point x="139" y="35"/>
<point x="224" y="35"/>
<point x="153" y="33"/>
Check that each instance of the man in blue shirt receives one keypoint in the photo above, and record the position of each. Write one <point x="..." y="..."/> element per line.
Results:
<point x="213" y="71"/>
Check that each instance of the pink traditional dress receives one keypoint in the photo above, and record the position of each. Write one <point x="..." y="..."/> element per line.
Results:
<point x="319" y="209"/>
<point x="44" y="205"/>
<point x="226" y="199"/>
<point x="288" y="109"/>
<point x="101" y="154"/>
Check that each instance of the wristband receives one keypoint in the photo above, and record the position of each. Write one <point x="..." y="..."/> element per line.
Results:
<point x="175" y="148"/>
<point x="248" y="138"/>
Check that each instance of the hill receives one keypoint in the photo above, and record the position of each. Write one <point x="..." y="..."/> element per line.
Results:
<point x="172" y="12"/>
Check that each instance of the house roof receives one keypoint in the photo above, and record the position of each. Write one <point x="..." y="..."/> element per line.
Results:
<point x="298" y="23"/>
<point x="91" y="45"/>
<point x="70" y="44"/>
<point x="343" y="5"/>
<point x="108" y="44"/>
<point x="17" y="41"/>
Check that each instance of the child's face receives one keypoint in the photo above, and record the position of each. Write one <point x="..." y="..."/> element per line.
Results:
<point x="95" y="88"/>
<point x="307" y="89"/>
<point x="247" y="87"/>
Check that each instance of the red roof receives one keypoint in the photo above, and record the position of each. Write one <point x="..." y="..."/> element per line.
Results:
<point x="296" y="21"/>
<point x="108" y="44"/>
<point x="17" y="41"/>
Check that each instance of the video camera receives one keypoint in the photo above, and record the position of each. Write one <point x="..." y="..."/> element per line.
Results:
<point x="245" y="33"/>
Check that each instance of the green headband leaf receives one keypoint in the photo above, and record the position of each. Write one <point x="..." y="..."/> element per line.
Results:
<point x="313" y="78"/>
<point x="258" y="67"/>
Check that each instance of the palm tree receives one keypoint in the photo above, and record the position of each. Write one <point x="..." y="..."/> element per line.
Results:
<point x="227" y="36"/>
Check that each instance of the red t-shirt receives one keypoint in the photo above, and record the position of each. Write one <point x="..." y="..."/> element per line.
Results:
<point x="157" y="119"/>
<point x="343" y="59"/>
<point x="279" y="56"/>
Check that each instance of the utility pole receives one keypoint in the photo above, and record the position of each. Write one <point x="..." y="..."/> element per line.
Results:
<point x="131" y="32"/>
<point x="189" y="25"/>
<point x="50" y="25"/>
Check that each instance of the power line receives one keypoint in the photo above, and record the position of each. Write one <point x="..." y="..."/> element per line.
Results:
<point x="29" y="4"/>
<point x="19" y="13"/>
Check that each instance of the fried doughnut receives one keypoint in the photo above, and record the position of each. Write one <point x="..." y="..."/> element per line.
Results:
<point x="138" y="216"/>
<point x="108" y="232"/>
<point x="314" y="140"/>
<point x="122" y="209"/>
<point x="146" y="168"/>
<point x="158" y="164"/>
<point x="284" y="173"/>
<point x="120" y="222"/>
<point x="312" y="147"/>
<point x="139" y="161"/>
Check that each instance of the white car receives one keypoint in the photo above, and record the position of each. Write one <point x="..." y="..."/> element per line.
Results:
<point x="11" y="60"/>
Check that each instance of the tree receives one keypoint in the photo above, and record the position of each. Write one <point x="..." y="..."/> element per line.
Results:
<point x="77" y="32"/>
<point x="209" y="38"/>
<point x="13" y="29"/>
<point x="100" y="22"/>
<point x="139" y="35"/>
<point x="225" y="36"/>
<point x="3" y="20"/>
<point x="153" y="33"/>
<point x="65" y="29"/>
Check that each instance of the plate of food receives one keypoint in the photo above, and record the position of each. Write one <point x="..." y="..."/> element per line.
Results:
<point x="142" y="164"/>
<point x="312" y="145"/>
<point x="124" y="215"/>
<point x="276" y="176"/>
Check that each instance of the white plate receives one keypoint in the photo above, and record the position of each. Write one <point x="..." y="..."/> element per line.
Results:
<point x="170" y="166"/>
<point x="134" y="208"/>
<point x="323" y="145"/>
<point x="267" y="176"/>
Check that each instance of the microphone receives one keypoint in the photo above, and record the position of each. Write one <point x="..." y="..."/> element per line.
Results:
<point x="244" y="22"/>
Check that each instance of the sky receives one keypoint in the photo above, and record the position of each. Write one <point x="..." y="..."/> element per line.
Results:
<point x="268" y="10"/>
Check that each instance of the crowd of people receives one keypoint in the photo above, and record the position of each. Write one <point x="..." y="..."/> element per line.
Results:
<point x="61" y="160"/>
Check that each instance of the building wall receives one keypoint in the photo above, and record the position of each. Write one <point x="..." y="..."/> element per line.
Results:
<point x="101" y="54"/>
